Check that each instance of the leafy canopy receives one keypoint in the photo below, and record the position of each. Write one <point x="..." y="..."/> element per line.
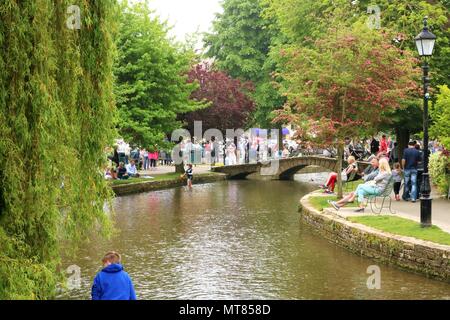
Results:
<point x="151" y="79"/>
<point x="440" y="114"/>
<point x="346" y="82"/>
<point x="230" y="106"/>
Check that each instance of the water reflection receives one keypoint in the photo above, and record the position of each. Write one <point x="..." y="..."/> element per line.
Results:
<point x="237" y="240"/>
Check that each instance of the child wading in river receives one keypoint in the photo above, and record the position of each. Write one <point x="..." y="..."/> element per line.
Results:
<point x="189" y="175"/>
<point x="112" y="283"/>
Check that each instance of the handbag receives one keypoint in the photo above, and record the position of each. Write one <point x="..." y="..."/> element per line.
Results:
<point x="344" y="175"/>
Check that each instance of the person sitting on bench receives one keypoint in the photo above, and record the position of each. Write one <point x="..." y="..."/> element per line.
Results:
<point x="374" y="187"/>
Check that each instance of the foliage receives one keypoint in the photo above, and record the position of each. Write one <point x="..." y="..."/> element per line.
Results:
<point x="240" y="40"/>
<point x="321" y="202"/>
<point x="230" y="106"/>
<point x="55" y="121"/>
<point x="304" y="21"/>
<point x="240" y="44"/>
<point x="151" y="78"/>
<point x="440" y="176"/>
<point x="440" y="113"/>
<point x="404" y="227"/>
<point x="345" y="82"/>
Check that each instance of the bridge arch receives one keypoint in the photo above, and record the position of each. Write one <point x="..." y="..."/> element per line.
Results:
<point x="282" y="169"/>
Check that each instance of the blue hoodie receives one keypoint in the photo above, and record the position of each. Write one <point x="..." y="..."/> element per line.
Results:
<point x="112" y="283"/>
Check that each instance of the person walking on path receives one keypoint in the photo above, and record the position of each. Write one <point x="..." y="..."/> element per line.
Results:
<point x="112" y="282"/>
<point x="410" y="160"/>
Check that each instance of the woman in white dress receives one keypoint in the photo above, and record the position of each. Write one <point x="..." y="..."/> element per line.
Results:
<point x="231" y="154"/>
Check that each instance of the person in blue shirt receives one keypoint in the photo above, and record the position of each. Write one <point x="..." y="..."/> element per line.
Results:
<point x="410" y="160"/>
<point x="112" y="283"/>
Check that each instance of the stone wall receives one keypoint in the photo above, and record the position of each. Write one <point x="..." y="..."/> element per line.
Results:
<point x="408" y="253"/>
<point x="131" y="188"/>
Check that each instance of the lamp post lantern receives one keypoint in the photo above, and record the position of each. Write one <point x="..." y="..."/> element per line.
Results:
<point x="425" y="45"/>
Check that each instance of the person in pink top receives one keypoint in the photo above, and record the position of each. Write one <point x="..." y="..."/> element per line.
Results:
<point x="153" y="156"/>
<point x="383" y="144"/>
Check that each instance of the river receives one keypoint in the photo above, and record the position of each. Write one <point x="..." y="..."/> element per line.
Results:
<point x="236" y="240"/>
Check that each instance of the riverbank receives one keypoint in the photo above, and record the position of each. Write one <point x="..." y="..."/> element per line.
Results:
<point x="161" y="182"/>
<point x="419" y="256"/>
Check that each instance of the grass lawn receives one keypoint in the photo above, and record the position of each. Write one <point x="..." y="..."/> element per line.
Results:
<point x="160" y="177"/>
<point x="404" y="227"/>
<point x="319" y="203"/>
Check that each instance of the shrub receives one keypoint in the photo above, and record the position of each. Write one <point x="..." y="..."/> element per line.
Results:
<point x="439" y="164"/>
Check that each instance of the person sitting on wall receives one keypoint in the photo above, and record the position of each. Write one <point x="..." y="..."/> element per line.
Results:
<point x="122" y="172"/>
<point x="332" y="178"/>
<point x="132" y="170"/>
<point x="374" y="187"/>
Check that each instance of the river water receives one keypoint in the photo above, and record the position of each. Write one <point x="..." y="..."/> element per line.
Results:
<point x="236" y="240"/>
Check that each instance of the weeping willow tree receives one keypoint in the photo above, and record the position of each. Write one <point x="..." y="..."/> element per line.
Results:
<point x="56" y="118"/>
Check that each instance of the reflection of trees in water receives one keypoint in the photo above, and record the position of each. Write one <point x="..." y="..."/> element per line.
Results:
<point x="241" y="236"/>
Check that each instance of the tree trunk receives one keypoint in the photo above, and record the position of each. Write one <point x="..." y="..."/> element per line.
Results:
<point x="179" y="168"/>
<point x="402" y="140"/>
<point x="280" y="139"/>
<point x="340" y="154"/>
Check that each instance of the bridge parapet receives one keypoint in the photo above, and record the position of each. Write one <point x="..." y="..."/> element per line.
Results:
<point x="283" y="169"/>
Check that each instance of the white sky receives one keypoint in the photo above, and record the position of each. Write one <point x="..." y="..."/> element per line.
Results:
<point x="187" y="16"/>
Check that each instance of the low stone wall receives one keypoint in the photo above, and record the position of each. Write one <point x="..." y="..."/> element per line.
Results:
<point x="138" y="187"/>
<point x="408" y="253"/>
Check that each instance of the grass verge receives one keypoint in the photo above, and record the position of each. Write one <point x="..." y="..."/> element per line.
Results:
<point x="404" y="227"/>
<point x="321" y="202"/>
<point x="160" y="177"/>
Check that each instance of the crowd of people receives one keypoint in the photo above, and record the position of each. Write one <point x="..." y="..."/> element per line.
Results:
<point x="380" y="173"/>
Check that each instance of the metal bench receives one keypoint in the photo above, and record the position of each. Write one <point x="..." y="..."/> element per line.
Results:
<point x="351" y="183"/>
<point x="385" y="199"/>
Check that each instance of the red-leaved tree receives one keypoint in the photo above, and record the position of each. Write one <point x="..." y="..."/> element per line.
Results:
<point x="231" y="104"/>
<point x="345" y="84"/>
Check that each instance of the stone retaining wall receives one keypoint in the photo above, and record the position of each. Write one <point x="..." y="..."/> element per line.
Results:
<point x="408" y="253"/>
<point x="138" y="187"/>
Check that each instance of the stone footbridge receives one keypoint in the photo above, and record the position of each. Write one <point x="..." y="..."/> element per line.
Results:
<point x="281" y="169"/>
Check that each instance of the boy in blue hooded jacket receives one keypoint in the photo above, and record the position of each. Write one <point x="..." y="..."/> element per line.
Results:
<point x="112" y="283"/>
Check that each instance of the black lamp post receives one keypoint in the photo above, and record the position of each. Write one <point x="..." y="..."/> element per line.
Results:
<point x="425" y="44"/>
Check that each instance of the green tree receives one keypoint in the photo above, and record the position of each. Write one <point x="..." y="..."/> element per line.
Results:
<point x="151" y="79"/>
<point x="345" y="83"/>
<point x="240" y="43"/>
<point x="440" y="114"/>
<point x="303" y="21"/>
<point x="56" y="106"/>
